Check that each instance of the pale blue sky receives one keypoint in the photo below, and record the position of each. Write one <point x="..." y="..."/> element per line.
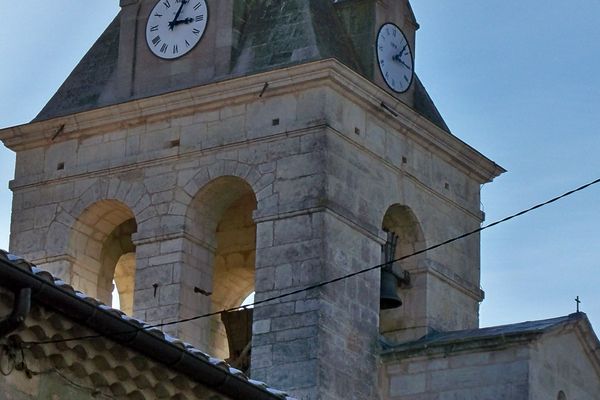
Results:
<point x="518" y="80"/>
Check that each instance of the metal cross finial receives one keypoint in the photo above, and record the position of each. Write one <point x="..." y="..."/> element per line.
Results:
<point x="578" y="302"/>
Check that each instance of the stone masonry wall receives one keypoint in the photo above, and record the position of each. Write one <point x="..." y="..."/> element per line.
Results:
<point x="324" y="168"/>
<point x="481" y="374"/>
<point x="560" y="363"/>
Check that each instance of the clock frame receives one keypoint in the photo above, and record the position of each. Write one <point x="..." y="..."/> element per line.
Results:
<point x="394" y="57"/>
<point x="175" y="27"/>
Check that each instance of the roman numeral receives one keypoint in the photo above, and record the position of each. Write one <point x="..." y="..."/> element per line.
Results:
<point x="196" y="31"/>
<point x="175" y="49"/>
<point x="154" y="28"/>
<point x="156" y="41"/>
<point x="197" y="6"/>
<point x="406" y="78"/>
<point x="164" y="48"/>
<point x="158" y="15"/>
<point x="187" y="43"/>
<point x="167" y="3"/>
<point x="200" y="18"/>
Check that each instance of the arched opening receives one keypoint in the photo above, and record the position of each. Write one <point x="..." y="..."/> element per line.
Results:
<point x="406" y="322"/>
<point x="222" y="226"/>
<point x="104" y="253"/>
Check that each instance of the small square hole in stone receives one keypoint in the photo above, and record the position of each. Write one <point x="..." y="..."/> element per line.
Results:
<point x="357" y="131"/>
<point x="60" y="166"/>
<point x="447" y="185"/>
<point x="275" y="122"/>
<point x="174" y="143"/>
<point x="404" y="160"/>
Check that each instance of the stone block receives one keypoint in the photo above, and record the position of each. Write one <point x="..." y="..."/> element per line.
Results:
<point x="273" y="310"/>
<point x="294" y="321"/>
<point x="408" y="385"/>
<point x="299" y="165"/>
<point x="261" y="326"/>
<point x="146" y="277"/>
<point x="296" y="350"/>
<point x="144" y="299"/>
<point x="284" y="276"/>
<point x="294" y="229"/>
<point x="262" y="356"/>
<point x="169" y="294"/>
<point x="297" y="333"/>
<point x="295" y="375"/>
<point x="288" y="253"/>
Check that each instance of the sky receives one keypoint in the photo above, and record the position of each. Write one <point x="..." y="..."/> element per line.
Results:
<point x="517" y="80"/>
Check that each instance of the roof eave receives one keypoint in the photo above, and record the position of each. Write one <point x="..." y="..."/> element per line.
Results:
<point x="141" y="340"/>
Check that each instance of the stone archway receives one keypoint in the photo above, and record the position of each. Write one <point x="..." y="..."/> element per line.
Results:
<point x="101" y="246"/>
<point x="408" y="321"/>
<point x="223" y="234"/>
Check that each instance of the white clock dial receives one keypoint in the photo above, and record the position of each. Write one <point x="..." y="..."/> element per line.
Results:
<point x="175" y="26"/>
<point x="394" y="58"/>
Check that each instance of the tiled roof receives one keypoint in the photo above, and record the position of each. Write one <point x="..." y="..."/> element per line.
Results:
<point x="8" y="260"/>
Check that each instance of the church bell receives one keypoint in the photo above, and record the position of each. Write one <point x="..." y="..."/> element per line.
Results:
<point x="388" y="297"/>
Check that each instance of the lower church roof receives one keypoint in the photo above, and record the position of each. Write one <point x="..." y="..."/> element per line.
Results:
<point x="114" y="325"/>
<point x="483" y="337"/>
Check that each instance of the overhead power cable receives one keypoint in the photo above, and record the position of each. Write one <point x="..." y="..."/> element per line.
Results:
<point x="340" y="278"/>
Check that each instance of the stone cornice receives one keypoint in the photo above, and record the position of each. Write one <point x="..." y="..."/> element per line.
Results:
<point x="243" y="89"/>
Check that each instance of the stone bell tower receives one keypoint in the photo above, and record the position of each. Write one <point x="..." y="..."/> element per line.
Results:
<point x="271" y="156"/>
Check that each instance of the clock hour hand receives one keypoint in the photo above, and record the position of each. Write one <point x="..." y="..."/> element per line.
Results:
<point x="402" y="51"/>
<point x="175" y="20"/>
<point x="183" y="21"/>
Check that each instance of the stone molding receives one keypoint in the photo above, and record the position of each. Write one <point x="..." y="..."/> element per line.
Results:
<point x="239" y="90"/>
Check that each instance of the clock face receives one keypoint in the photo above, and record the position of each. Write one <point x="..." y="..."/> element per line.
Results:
<point x="175" y="26"/>
<point x="394" y="58"/>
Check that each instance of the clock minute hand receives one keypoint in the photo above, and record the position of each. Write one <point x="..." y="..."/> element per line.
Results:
<point x="398" y="57"/>
<point x="403" y="63"/>
<point x="174" y="22"/>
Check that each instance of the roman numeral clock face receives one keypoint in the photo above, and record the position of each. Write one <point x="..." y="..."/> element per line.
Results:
<point x="175" y="26"/>
<point x="394" y="58"/>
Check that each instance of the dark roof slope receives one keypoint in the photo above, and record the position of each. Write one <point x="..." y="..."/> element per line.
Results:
<point x="291" y="32"/>
<point x="273" y="34"/>
<point x="424" y="105"/>
<point x="84" y="87"/>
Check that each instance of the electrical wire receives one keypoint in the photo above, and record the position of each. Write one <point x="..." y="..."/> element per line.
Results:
<point x="334" y="280"/>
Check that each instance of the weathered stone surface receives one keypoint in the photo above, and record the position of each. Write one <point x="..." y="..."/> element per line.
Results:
<point x="220" y="213"/>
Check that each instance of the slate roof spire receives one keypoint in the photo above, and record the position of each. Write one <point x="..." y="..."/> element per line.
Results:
<point x="289" y="32"/>
<point x="266" y="35"/>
